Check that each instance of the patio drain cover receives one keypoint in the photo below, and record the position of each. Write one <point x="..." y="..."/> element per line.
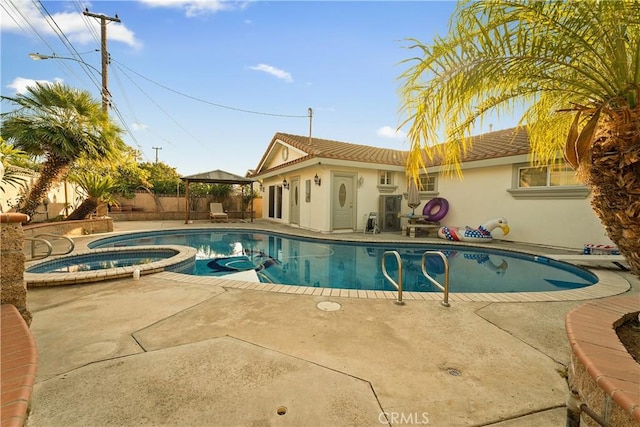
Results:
<point x="329" y="306"/>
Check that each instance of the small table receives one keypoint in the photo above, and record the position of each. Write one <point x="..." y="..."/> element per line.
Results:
<point x="418" y="222"/>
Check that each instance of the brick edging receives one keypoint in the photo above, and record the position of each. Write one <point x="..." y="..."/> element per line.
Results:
<point x="599" y="359"/>
<point x="18" y="366"/>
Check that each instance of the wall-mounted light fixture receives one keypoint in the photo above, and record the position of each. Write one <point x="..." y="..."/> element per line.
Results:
<point x="285" y="184"/>
<point x="317" y="180"/>
<point x="261" y="187"/>
<point x="360" y="181"/>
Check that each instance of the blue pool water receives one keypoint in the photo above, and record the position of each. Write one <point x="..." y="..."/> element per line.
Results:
<point x="98" y="261"/>
<point x="292" y="260"/>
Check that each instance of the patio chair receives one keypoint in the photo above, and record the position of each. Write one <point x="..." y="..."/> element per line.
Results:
<point x="216" y="213"/>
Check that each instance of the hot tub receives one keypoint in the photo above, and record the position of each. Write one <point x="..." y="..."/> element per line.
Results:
<point x="111" y="263"/>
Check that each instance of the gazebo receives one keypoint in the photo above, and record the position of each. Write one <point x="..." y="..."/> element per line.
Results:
<point x="217" y="177"/>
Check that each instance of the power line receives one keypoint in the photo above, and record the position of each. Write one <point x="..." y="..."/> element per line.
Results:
<point x="209" y="102"/>
<point x="87" y="22"/>
<point x="158" y="106"/>
<point x="65" y="41"/>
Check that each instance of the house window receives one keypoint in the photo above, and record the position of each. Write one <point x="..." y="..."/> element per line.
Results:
<point x="428" y="182"/>
<point x="546" y="182"/>
<point x="385" y="178"/>
<point x="558" y="175"/>
<point x="385" y="182"/>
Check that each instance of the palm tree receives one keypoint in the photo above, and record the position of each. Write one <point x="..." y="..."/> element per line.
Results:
<point x="9" y="155"/>
<point x="61" y="124"/>
<point x="574" y="70"/>
<point x="98" y="190"/>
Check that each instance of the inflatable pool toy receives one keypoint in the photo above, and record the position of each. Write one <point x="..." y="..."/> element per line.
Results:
<point x="435" y="209"/>
<point x="480" y="234"/>
<point x="485" y="261"/>
<point x="593" y="249"/>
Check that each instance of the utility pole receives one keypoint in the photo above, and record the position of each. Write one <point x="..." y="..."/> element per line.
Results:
<point x="157" y="148"/>
<point x="310" y="123"/>
<point x="105" y="55"/>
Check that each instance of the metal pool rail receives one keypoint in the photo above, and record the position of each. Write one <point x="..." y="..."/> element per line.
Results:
<point x="445" y="287"/>
<point x="398" y="284"/>
<point x="38" y="238"/>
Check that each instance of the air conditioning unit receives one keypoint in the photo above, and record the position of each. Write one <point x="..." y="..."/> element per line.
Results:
<point x="390" y="206"/>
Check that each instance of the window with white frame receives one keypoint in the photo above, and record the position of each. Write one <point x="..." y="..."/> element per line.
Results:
<point x="558" y="175"/>
<point x="385" y="178"/>
<point x="428" y="183"/>
<point x="557" y="180"/>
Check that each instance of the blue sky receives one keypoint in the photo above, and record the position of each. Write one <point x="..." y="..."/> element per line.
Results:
<point x="212" y="82"/>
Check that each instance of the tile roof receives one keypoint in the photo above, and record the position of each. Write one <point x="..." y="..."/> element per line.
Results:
<point x="329" y="149"/>
<point x="217" y="176"/>
<point x="501" y="143"/>
<point x="492" y="145"/>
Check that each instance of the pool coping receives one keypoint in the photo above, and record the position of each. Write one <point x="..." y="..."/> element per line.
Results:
<point x="609" y="284"/>
<point x="184" y="255"/>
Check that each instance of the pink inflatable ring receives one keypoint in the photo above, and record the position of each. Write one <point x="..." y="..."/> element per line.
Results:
<point x="435" y="209"/>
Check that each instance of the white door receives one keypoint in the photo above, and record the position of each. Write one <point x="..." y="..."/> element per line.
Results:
<point x="342" y="202"/>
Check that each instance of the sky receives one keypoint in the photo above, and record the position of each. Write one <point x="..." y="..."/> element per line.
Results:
<point x="205" y="85"/>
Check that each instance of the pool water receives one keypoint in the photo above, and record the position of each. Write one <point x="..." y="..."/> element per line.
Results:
<point x="91" y="263"/>
<point x="292" y="260"/>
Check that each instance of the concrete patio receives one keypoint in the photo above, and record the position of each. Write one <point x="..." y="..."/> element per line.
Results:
<point x="172" y="350"/>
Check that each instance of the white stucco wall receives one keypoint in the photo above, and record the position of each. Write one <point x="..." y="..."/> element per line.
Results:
<point x="482" y="194"/>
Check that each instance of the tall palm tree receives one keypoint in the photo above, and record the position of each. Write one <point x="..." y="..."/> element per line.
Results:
<point x="61" y="124"/>
<point x="572" y="67"/>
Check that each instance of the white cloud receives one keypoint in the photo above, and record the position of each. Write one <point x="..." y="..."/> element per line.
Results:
<point x="389" y="132"/>
<point x="276" y="72"/>
<point x="20" y="84"/>
<point x="139" y="126"/>
<point x="194" y="8"/>
<point x="24" y="15"/>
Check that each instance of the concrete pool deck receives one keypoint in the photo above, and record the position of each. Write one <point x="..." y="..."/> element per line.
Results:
<point x="172" y="350"/>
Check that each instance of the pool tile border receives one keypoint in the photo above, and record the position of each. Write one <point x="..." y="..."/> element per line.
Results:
<point x="609" y="284"/>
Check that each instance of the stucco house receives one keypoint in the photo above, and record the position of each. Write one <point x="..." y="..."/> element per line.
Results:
<point x="331" y="186"/>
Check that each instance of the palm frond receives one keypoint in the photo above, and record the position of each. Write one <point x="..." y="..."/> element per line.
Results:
<point x="504" y="56"/>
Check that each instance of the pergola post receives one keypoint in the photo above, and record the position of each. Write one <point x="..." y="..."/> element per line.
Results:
<point x="186" y="201"/>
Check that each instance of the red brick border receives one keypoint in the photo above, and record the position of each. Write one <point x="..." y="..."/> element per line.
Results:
<point x="602" y="367"/>
<point x="17" y="367"/>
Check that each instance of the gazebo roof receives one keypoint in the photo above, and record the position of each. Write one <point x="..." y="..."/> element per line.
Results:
<point x="217" y="177"/>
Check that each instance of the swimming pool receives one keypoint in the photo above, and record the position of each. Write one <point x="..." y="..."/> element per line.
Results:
<point x="291" y="260"/>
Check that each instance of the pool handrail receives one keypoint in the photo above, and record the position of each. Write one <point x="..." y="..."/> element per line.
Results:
<point x="35" y="240"/>
<point x="72" y="244"/>
<point x="397" y="285"/>
<point x="445" y="287"/>
<point x="39" y="238"/>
